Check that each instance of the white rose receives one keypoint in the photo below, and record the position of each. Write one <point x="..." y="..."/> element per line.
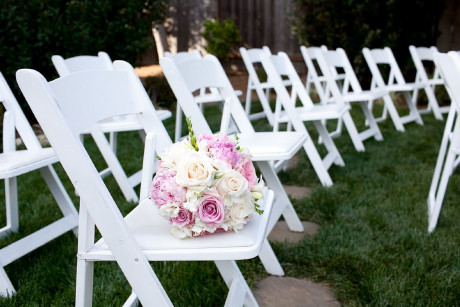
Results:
<point x="194" y="171"/>
<point x="232" y="184"/>
<point x="171" y="157"/>
<point x="240" y="211"/>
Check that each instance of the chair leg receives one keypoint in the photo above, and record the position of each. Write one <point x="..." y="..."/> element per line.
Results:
<point x="11" y="200"/>
<point x="282" y="205"/>
<point x="353" y="132"/>
<point x="414" y="114"/>
<point x="329" y="143"/>
<point x="269" y="260"/>
<point x="113" y="141"/>
<point x="112" y="161"/>
<point x="441" y="156"/>
<point x="6" y="287"/>
<point x="393" y="113"/>
<point x="317" y="163"/>
<point x="446" y="173"/>
<point x="374" y="129"/>
<point x="84" y="288"/>
<point x="239" y="291"/>
<point x="59" y="193"/>
<point x="433" y="102"/>
<point x="178" y="128"/>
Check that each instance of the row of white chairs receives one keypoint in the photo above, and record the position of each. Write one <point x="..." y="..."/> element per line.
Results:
<point x="334" y="87"/>
<point x="115" y="94"/>
<point x="84" y="102"/>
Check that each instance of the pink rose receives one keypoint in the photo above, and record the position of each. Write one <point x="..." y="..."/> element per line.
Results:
<point x="183" y="218"/>
<point x="165" y="190"/>
<point x="248" y="171"/>
<point x="211" y="210"/>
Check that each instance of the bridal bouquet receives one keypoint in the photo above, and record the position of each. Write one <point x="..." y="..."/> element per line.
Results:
<point x="206" y="185"/>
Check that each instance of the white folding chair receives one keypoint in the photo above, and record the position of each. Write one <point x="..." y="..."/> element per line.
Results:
<point x="421" y="55"/>
<point x="13" y="163"/>
<point x="263" y="146"/>
<point x="202" y="98"/>
<point x="61" y="107"/>
<point x="449" y="151"/>
<point x="279" y="68"/>
<point x="109" y="125"/>
<point x="252" y="58"/>
<point x="394" y="83"/>
<point x="309" y="55"/>
<point x="350" y="91"/>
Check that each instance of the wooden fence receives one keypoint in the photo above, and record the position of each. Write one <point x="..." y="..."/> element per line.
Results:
<point x="261" y="23"/>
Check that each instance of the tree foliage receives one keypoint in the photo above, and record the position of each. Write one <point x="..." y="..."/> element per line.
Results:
<point x="355" y="24"/>
<point x="31" y="31"/>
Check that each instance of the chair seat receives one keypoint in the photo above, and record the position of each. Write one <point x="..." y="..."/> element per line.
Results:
<point x="152" y="233"/>
<point x="18" y="162"/>
<point x="364" y="95"/>
<point x="213" y="97"/>
<point x="405" y="87"/>
<point x="127" y="122"/>
<point x="269" y="146"/>
<point x="317" y="112"/>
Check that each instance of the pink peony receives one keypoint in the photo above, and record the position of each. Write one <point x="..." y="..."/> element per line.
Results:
<point x="222" y="148"/>
<point x="248" y="171"/>
<point x="211" y="210"/>
<point x="183" y="218"/>
<point x="165" y="190"/>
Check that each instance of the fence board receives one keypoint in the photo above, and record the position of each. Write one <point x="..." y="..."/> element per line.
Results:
<point x="261" y="23"/>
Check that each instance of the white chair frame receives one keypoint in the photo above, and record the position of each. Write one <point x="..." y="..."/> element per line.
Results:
<point x="264" y="146"/>
<point x="202" y="98"/>
<point x="309" y="55"/>
<point x="111" y="125"/>
<point x="20" y="162"/>
<point x="61" y="108"/>
<point x="419" y="56"/>
<point x="395" y="83"/>
<point x="449" y="152"/>
<point x="250" y="58"/>
<point x="351" y="91"/>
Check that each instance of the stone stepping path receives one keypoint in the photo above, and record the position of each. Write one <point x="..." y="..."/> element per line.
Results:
<point x="287" y="291"/>
<point x="274" y="291"/>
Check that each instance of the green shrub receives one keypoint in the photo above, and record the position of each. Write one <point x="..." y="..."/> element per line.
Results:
<point x="222" y="37"/>
<point x="355" y="24"/>
<point x="31" y="31"/>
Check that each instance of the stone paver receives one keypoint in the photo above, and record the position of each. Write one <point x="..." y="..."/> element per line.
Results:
<point x="287" y="291"/>
<point x="281" y="232"/>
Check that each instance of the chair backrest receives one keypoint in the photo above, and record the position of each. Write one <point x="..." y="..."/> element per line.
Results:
<point x="376" y="57"/>
<point x="449" y="67"/>
<point x="421" y="54"/>
<point x="53" y="104"/>
<point x="18" y="120"/>
<point x="276" y="67"/>
<point x="207" y="72"/>
<point x="82" y="62"/>
<point x="309" y="55"/>
<point x="285" y="69"/>
<point x="330" y="62"/>
<point x="251" y="57"/>
<point x="183" y="56"/>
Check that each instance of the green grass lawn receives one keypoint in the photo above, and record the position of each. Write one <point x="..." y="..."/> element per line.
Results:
<point x="373" y="248"/>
